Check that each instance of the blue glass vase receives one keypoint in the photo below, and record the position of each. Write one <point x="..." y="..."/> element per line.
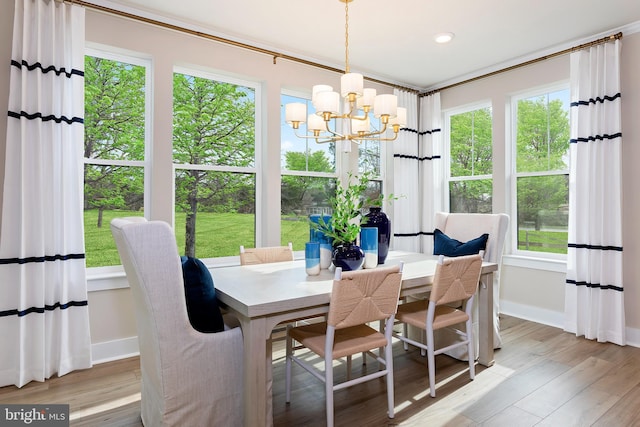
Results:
<point x="380" y="220"/>
<point x="349" y="256"/>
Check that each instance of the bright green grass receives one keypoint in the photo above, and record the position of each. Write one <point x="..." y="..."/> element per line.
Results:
<point x="543" y="241"/>
<point x="217" y="235"/>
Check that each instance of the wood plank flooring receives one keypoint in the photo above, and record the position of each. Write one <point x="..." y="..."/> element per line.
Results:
<point x="542" y="377"/>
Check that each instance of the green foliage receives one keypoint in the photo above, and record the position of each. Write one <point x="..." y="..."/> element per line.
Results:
<point x="471" y="143"/>
<point x="299" y="192"/>
<point x="114" y="129"/>
<point x="347" y="205"/>
<point x="213" y="124"/>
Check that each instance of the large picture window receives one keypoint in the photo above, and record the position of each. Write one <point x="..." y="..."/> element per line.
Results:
<point x="541" y="136"/>
<point x="469" y="136"/>
<point x="308" y="171"/>
<point x="214" y="152"/>
<point x="116" y="105"/>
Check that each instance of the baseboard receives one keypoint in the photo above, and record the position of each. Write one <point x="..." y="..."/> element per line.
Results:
<point x="534" y="314"/>
<point x="114" y="350"/>
<point x="553" y="318"/>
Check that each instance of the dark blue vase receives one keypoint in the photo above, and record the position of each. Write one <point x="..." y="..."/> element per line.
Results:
<point x="377" y="218"/>
<point x="348" y="256"/>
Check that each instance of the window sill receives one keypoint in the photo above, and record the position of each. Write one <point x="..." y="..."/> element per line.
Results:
<point x="554" y="265"/>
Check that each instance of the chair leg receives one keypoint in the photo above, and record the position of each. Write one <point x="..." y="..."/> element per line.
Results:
<point x="388" y="357"/>
<point x="405" y="333"/>
<point x="471" y="349"/>
<point x="431" y="363"/>
<point x="288" y="370"/>
<point x="328" y="377"/>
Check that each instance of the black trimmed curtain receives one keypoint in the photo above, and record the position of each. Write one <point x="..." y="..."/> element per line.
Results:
<point x="44" y="319"/>
<point x="594" y="297"/>
<point x="431" y="168"/>
<point x="406" y="167"/>
<point x="418" y="178"/>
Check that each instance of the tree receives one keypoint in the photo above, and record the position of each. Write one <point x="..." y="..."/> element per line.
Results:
<point x="214" y="124"/>
<point x="114" y="130"/>
<point x="300" y="191"/>
<point x="471" y="155"/>
<point x="542" y="145"/>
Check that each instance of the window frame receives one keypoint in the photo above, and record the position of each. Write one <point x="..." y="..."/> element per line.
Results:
<point x="447" y="114"/>
<point x="142" y="60"/>
<point x="256" y="170"/>
<point x="512" y="135"/>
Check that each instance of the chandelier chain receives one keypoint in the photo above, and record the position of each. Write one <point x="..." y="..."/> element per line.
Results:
<point x="346" y="36"/>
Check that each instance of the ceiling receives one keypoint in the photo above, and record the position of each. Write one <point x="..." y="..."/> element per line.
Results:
<point x="393" y="40"/>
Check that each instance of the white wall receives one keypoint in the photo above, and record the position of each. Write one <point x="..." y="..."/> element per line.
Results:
<point x="527" y="290"/>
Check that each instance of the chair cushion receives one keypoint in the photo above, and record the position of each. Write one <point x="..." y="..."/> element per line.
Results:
<point x="447" y="246"/>
<point x="200" y="293"/>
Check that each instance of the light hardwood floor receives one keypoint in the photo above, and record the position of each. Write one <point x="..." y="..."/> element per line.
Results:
<point x="542" y="376"/>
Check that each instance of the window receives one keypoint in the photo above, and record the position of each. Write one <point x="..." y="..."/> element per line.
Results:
<point x="116" y="105"/>
<point x="308" y="177"/>
<point x="469" y="137"/>
<point x="214" y="153"/>
<point x="541" y="135"/>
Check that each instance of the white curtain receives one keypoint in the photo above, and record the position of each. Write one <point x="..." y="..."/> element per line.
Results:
<point x="44" y="322"/>
<point x="406" y="167"/>
<point x="431" y="173"/>
<point x="594" y="298"/>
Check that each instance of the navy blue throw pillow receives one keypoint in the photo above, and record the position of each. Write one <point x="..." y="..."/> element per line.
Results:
<point x="447" y="246"/>
<point x="202" y="304"/>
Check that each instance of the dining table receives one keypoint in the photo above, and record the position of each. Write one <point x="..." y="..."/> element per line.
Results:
<point x="262" y="296"/>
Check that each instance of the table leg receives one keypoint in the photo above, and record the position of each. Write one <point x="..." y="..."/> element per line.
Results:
<point x="485" y="313"/>
<point x="255" y="373"/>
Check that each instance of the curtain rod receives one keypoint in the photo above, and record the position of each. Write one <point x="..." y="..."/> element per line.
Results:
<point x="241" y="45"/>
<point x="606" y="39"/>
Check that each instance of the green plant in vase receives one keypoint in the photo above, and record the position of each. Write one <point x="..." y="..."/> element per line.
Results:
<point x="346" y="221"/>
<point x="346" y="218"/>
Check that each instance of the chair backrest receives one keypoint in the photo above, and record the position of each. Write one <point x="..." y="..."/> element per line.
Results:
<point x="249" y="256"/>
<point x="467" y="226"/>
<point x="456" y="279"/>
<point x="151" y="261"/>
<point x="364" y="296"/>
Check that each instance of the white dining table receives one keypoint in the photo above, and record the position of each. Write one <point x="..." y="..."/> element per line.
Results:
<point x="264" y="295"/>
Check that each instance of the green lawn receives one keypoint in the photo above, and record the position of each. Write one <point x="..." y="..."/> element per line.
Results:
<point x="543" y="241"/>
<point x="217" y="235"/>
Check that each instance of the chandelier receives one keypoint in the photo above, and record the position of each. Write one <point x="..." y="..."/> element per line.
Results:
<point x="345" y="116"/>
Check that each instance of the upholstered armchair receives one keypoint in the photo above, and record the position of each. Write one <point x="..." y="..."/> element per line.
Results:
<point x="465" y="227"/>
<point x="189" y="378"/>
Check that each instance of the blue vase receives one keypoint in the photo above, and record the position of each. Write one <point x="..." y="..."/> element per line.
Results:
<point x="380" y="220"/>
<point x="369" y="244"/>
<point x="348" y="256"/>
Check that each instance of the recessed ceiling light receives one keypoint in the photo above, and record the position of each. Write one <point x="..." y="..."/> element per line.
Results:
<point x="443" y="37"/>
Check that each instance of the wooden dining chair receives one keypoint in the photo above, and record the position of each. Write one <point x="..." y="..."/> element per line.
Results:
<point x="250" y="256"/>
<point x="456" y="279"/>
<point x="357" y="298"/>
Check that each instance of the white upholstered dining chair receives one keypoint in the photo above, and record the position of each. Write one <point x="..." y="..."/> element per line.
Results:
<point x="357" y="298"/>
<point x="189" y="378"/>
<point x="465" y="227"/>
<point x="456" y="279"/>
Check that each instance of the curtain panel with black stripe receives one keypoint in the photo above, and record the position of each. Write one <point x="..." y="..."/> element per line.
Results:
<point x="44" y="321"/>
<point x="417" y="173"/>
<point x="594" y="297"/>
<point x="406" y="176"/>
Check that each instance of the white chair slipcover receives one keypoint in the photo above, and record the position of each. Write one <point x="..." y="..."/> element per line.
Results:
<point x="189" y="378"/>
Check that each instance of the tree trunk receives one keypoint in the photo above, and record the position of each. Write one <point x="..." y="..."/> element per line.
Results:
<point x="190" y="223"/>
